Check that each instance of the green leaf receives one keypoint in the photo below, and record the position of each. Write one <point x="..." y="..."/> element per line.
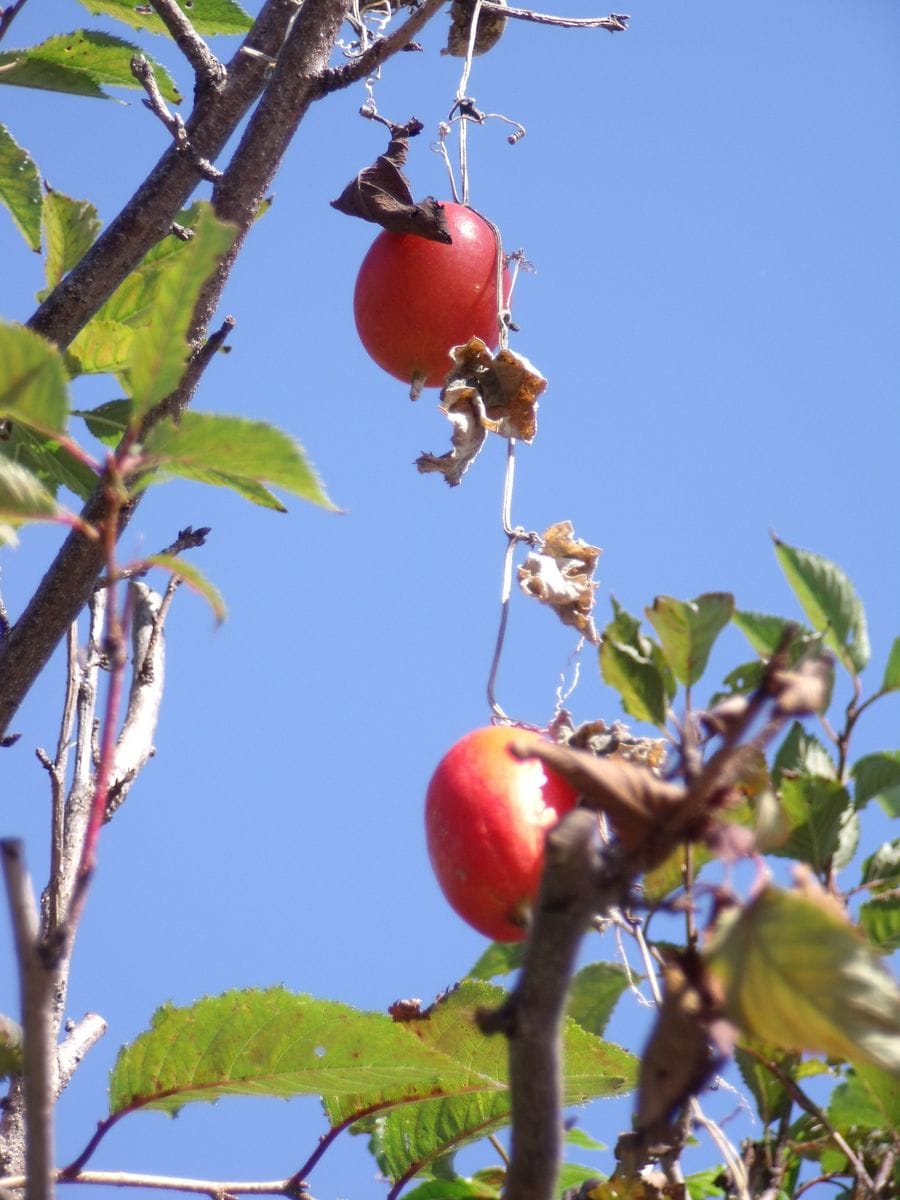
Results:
<point x="584" y="1141"/>
<point x="688" y="629"/>
<point x="891" y="681"/>
<point x="702" y="1185"/>
<point x="763" y="631"/>
<point x="500" y="958"/>
<point x="52" y="464"/>
<point x="880" y="918"/>
<point x="101" y="348"/>
<point x="159" y="354"/>
<point x="453" y="1189"/>
<point x="635" y="666"/>
<point x="743" y="679"/>
<point x="33" y="384"/>
<point x="274" y="1043"/>
<point x="575" y="1175"/>
<point x="20" y="188"/>
<point x="108" y="421"/>
<point x="71" y="227"/>
<point x="877" y="777"/>
<point x="802" y="753"/>
<point x="882" y="869"/>
<point x="208" y="17"/>
<point x="194" y="578"/>
<point x="233" y="452"/>
<point x="772" y="1100"/>
<point x="869" y="1099"/>
<point x="594" y="993"/>
<point x="79" y="63"/>
<point x="23" y="498"/>
<point x="815" y="810"/>
<point x="830" y="602"/>
<point x="413" y="1136"/>
<point x="795" y="974"/>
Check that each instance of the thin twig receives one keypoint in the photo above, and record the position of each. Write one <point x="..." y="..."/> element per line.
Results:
<point x="80" y="1037"/>
<point x="8" y="15"/>
<point x="39" y="1059"/>
<point x="615" y="22"/>
<point x="209" y="71"/>
<point x="210" y="1187"/>
<point x="381" y="50"/>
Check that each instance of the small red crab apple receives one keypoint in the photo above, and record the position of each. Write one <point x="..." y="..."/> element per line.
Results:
<point x="486" y="816"/>
<point x="415" y="299"/>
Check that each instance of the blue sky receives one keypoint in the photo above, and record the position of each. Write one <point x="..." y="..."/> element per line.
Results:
<point x="710" y="204"/>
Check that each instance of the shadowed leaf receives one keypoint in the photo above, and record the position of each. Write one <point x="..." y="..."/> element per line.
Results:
<point x="594" y="993"/>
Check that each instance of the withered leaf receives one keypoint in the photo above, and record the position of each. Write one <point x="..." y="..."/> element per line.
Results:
<point x="484" y="393"/>
<point x="645" y="812"/>
<point x="464" y="409"/>
<point x="381" y="193"/>
<point x="561" y="575"/>
<point x="678" y="1059"/>
<point x="489" y="31"/>
<point x="805" y="689"/>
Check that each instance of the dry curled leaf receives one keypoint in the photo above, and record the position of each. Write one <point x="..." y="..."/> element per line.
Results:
<point x="804" y="690"/>
<point x="381" y="193"/>
<point x="561" y="575"/>
<point x="646" y="813"/>
<point x="678" y="1060"/>
<point x="489" y="31"/>
<point x="484" y="393"/>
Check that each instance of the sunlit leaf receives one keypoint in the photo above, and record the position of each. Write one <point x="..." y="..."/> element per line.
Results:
<point x="763" y="631"/>
<point x="101" y="348"/>
<point x="207" y="16"/>
<point x="412" y="1136"/>
<point x="194" y="578"/>
<point x="22" y="496"/>
<point x="702" y="1185"/>
<point x="801" y="753"/>
<point x="796" y="975"/>
<point x="635" y="666"/>
<point x="160" y="352"/>
<point x="877" y="777"/>
<point x="33" y="383"/>
<point x="79" y="63"/>
<point x="687" y="630"/>
<point x="880" y="918"/>
<point x="773" y="1102"/>
<point x="107" y="422"/>
<point x="881" y="870"/>
<point x="500" y="958"/>
<point x="869" y="1098"/>
<point x="70" y="227"/>
<point x="227" y="450"/>
<point x="830" y="602"/>
<point x="20" y="188"/>
<point x="274" y="1043"/>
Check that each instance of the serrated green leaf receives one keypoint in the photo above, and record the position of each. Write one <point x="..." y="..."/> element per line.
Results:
<point x="688" y="629"/>
<point x="52" y="464"/>
<point x="772" y="1100"/>
<point x="594" y="993"/>
<point x="79" y="63"/>
<point x="71" y="227"/>
<point x="33" y="385"/>
<point x="578" y="1137"/>
<point x="877" y="777"/>
<point x="743" y="679"/>
<point x="802" y="753"/>
<point x="796" y="975"/>
<point x="208" y="17"/>
<point x="233" y="452"/>
<point x="891" y="681"/>
<point x="108" y="421"/>
<point x="500" y="958"/>
<point x="194" y="578"/>
<point x="412" y="1136"/>
<point x="20" y="188"/>
<point x="830" y="602"/>
<point x="815" y="809"/>
<point x="637" y="680"/>
<point x="273" y="1043"/>
<point x="702" y="1185"/>
<point x="101" y="348"/>
<point x="880" y="919"/>
<point x="159" y="354"/>
<point x="869" y="1099"/>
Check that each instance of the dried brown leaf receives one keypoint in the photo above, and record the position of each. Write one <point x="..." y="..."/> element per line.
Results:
<point x="464" y="409"/>
<point x="561" y="575"/>
<point x="381" y="193"/>
<point x="804" y="690"/>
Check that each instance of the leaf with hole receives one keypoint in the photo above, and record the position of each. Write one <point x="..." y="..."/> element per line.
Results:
<point x="79" y="63"/>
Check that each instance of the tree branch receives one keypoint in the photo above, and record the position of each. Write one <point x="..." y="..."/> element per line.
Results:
<point x="382" y="50"/>
<point x="207" y="68"/>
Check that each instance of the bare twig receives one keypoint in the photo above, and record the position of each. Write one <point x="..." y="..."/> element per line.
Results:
<point x="210" y="1187"/>
<point x="36" y="979"/>
<point x="381" y="50"/>
<point x="615" y="22"/>
<point x="8" y="15"/>
<point x="209" y="71"/>
<point x="79" y="1039"/>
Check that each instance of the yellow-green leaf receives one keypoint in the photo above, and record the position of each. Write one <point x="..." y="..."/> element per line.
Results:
<point x="33" y="383"/>
<point x="79" y="63"/>
<point x="20" y="188"/>
<point x="71" y="227"/>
